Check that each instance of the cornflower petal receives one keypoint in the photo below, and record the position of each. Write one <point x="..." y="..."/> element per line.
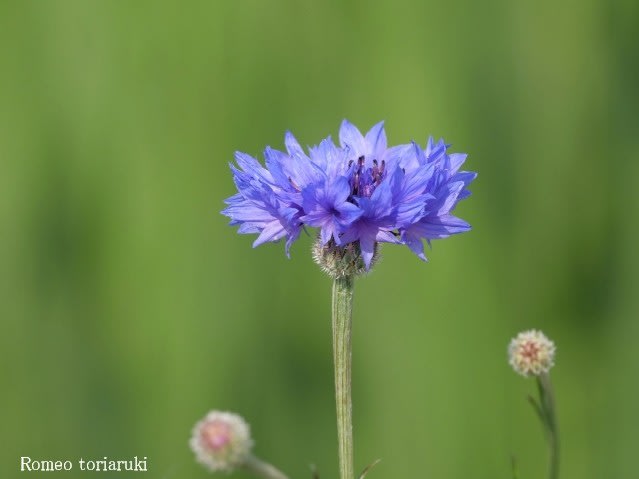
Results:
<point x="350" y="136"/>
<point x="273" y="231"/>
<point x="328" y="208"/>
<point x="292" y="145"/>
<point x="375" y="140"/>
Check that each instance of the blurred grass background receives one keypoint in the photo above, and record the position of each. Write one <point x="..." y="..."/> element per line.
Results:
<point x="129" y="308"/>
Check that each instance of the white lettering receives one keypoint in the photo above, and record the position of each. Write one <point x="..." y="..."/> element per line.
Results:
<point x="99" y="465"/>
<point x="25" y="462"/>
<point x="28" y="464"/>
<point x="141" y="464"/>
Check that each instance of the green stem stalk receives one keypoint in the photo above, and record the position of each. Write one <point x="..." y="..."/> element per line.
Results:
<point x="263" y="469"/>
<point x="343" y="288"/>
<point x="547" y="400"/>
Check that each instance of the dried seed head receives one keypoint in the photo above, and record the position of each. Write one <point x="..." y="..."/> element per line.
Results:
<point x="221" y="441"/>
<point x="531" y="353"/>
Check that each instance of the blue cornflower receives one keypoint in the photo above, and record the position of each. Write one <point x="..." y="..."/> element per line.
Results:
<point x="361" y="192"/>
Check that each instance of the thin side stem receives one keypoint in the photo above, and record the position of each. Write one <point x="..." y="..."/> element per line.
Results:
<point x="343" y="288"/>
<point x="263" y="469"/>
<point x="547" y="400"/>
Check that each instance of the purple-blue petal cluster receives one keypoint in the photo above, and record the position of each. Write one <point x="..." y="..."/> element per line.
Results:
<point x="360" y="191"/>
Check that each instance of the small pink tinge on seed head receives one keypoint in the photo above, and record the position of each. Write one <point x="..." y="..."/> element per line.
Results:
<point x="216" y="434"/>
<point x="530" y="351"/>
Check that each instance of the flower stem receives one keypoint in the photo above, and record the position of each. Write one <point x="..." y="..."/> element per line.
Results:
<point x="547" y="400"/>
<point x="263" y="469"/>
<point x="342" y="355"/>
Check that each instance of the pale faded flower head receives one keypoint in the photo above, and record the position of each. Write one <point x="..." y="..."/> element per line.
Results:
<point x="531" y="353"/>
<point x="221" y="441"/>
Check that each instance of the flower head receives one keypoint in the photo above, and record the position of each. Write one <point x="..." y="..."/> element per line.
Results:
<point x="531" y="353"/>
<point x="360" y="192"/>
<point x="221" y="441"/>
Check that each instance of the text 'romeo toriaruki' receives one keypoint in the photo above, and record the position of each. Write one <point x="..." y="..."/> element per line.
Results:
<point x="135" y="464"/>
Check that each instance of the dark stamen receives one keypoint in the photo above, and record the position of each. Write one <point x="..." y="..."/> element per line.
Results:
<point x="365" y="179"/>
<point x="375" y="172"/>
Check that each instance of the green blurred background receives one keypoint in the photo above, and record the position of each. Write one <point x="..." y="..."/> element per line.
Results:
<point x="129" y="308"/>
